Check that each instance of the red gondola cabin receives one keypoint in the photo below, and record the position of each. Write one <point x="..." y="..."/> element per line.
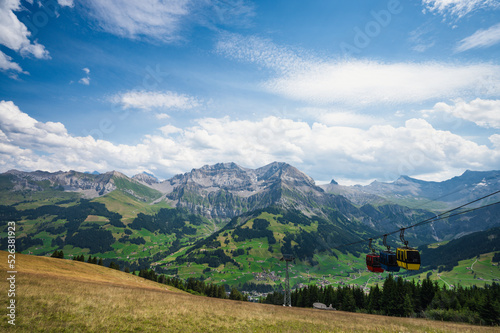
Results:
<point x="373" y="263"/>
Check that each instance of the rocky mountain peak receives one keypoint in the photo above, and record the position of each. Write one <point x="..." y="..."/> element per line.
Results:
<point x="146" y="178"/>
<point x="116" y="174"/>
<point x="269" y="170"/>
<point x="221" y="166"/>
<point x="239" y="189"/>
<point x="286" y="174"/>
<point x="229" y="176"/>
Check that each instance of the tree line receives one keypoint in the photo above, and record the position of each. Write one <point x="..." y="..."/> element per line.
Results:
<point x="191" y="285"/>
<point x="402" y="298"/>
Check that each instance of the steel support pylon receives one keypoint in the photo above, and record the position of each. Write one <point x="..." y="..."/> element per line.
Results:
<point x="288" y="296"/>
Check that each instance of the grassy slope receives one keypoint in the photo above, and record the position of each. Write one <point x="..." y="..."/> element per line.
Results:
<point x="346" y="270"/>
<point x="66" y="296"/>
<point x="483" y="272"/>
<point x="118" y="201"/>
<point x="128" y="206"/>
<point x="139" y="190"/>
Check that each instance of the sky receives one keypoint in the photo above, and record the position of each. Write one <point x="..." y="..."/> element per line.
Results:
<point x="354" y="91"/>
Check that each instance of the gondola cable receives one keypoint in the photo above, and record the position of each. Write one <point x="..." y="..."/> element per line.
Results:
<point x="432" y="219"/>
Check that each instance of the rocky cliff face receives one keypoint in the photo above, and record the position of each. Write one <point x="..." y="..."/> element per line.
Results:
<point x="225" y="190"/>
<point x="89" y="185"/>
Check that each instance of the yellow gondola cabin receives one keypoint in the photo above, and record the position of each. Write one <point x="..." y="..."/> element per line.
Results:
<point x="408" y="258"/>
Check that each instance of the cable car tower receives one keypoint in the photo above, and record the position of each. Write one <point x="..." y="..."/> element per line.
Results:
<point x="288" y="296"/>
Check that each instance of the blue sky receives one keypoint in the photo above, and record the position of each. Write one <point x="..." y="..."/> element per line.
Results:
<point x="350" y="90"/>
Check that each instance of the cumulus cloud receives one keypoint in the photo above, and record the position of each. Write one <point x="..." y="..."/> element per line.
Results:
<point x="495" y="140"/>
<point x="65" y="3"/>
<point x="86" y="79"/>
<point x="480" y="39"/>
<point x="484" y="113"/>
<point x="323" y="151"/>
<point x="357" y="82"/>
<point x="161" y="116"/>
<point x="458" y="8"/>
<point x="15" y="36"/>
<point x="147" y="100"/>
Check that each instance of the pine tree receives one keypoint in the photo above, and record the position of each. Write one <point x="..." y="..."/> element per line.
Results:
<point x="348" y="301"/>
<point x="100" y="262"/>
<point x="426" y="293"/>
<point x="114" y="266"/>
<point x="390" y="304"/>
<point x="58" y="254"/>
<point x="221" y="292"/>
<point x="374" y="299"/>
<point x="407" y="306"/>
<point x="489" y="310"/>
<point x="236" y="295"/>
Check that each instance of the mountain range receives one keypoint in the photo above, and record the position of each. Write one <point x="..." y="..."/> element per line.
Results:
<point x="449" y="193"/>
<point x="225" y="217"/>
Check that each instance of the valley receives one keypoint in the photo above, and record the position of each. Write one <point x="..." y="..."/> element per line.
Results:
<point x="229" y="225"/>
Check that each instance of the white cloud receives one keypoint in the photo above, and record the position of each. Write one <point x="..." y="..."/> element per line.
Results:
<point x="495" y="140"/>
<point x="484" y="113"/>
<point x="334" y="117"/>
<point x="381" y="151"/>
<point x="7" y="65"/>
<point x="147" y="100"/>
<point x="421" y="38"/>
<point x="65" y="3"/>
<point x="170" y="129"/>
<point x="15" y="36"/>
<point x="235" y="12"/>
<point x="156" y="19"/>
<point x="85" y="80"/>
<point x="358" y="82"/>
<point x="165" y="20"/>
<point x="161" y="116"/>
<point x="458" y="8"/>
<point x="480" y="39"/>
<point x="260" y="51"/>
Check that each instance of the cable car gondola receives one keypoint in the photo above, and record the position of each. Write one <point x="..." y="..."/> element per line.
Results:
<point x="407" y="257"/>
<point x="388" y="260"/>
<point x="373" y="260"/>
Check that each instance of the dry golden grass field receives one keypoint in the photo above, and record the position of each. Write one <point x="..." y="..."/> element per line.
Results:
<point x="55" y="295"/>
